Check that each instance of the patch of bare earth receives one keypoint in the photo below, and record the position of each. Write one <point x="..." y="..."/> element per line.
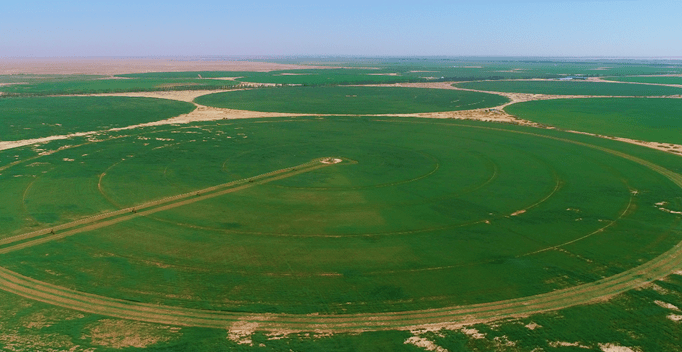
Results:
<point x="424" y="343"/>
<point x="610" y="347"/>
<point x="224" y="78"/>
<point x="293" y="74"/>
<point x="241" y="331"/>
<point x="557" y="344"/>
<point x="110" y="66"/>
<point x="117" y="333"/>
<point x="181" y="95"/>
<point x="11" y="84"/>
<point x="606" y="80"/>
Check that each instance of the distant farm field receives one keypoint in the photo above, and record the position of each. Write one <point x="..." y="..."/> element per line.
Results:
<point x="25" y="118"/>
<point x="571" y="88"/>
<point x="351" y="100"/>
<point x="657" y="80"/>
<point x="655" y="120"/>
<point x="335" y="215"/>
<point x="111" y="85"/>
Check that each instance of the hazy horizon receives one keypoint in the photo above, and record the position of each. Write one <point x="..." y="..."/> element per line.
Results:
<point x="207" y="28"/>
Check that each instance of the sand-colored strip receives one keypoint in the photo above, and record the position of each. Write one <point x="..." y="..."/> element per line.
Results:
<point x="113" y="66"/>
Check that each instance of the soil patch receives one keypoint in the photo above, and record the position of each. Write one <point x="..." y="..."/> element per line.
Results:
<point x="107" y="66"/>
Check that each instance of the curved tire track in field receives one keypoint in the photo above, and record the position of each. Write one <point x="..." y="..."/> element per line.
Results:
<point x="657" y="268"/>
<point x="40" y="291"/>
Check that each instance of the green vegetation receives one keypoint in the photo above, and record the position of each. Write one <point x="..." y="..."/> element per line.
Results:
<point x="572" y="88"/>
<point x="24" y="118"/>
<point x="402" y="228"/>
<point x="351" y="100"/>
<point x="656" y="80"/>
<point x="312" y="77"/>
<point x="504" y="68"/>
<point x="361" y="72"/>
<point x="655" y="120"/>
<point x="91" y="85"/>
<point x="418" y="214"/>
<point x="631" y="320"/>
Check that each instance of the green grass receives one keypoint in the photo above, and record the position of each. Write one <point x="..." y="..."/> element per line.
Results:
<point x="658" y="80"/>
<point x="362" y="237"/>
<point x="25" y="118"/>
<point x="351" y="100"/>
<point x="655" y="120"/>
<point x="303" y="76"/>
<point x="572" y="88"/>
<point x="631" y="320"/>
<point x="107" y="85"/>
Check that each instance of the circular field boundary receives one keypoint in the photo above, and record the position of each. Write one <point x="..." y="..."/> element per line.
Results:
<point x="654" y="269"/>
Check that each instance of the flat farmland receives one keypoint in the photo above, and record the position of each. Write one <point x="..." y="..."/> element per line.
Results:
<point x="652" y="79"/>
<point x="654" y="120"/>
<point x="25" y="118"/>
<point x="38" y="86"/>
<point x="335" y="216"/>
<point x="351" y="100"/>
<point x="571" y="88"/>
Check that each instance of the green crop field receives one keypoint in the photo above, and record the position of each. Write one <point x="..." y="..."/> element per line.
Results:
<point x="91" y="85"/>
<point x="654" y="120"/>
<point x="413" y="215"/>
<point x="351" y="100"/>
<point x="343" y="231"/>
<point x="656" y="80"/>
<point x="303" y="76"/>
<point x="25" y="118"/>
<point x="572" y="88"/>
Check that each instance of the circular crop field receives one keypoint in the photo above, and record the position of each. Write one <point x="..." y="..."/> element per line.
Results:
<point x="351" y="100"/>
<point x="336" y="223"/>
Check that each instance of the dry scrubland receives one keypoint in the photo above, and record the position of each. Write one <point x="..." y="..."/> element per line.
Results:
<point x="170" y="215"/>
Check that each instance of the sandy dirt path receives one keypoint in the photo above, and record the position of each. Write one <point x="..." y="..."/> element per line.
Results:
<point x="432" y="319"/>
<point x="205" y="113"/>
<point x="606" y="80"/>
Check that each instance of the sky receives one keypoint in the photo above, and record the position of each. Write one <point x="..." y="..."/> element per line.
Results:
<point x="558" y="28"/>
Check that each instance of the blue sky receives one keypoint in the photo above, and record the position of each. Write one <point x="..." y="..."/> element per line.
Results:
<point x="32" y="28"/>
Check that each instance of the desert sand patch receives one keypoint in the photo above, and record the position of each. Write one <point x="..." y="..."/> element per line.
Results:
<point x="424" y="343"/>
<point x="225" y="78"/>
<point x="122" y="66"/>
<point x="473" y="333"/>
<point x="127" y="333"/>
<point x="557" y="344"/>
<point x="675" y="317"/>
<point x="241" y="331"/>
<point x="666" y="305"/>
<point x="293" y="74"/>
<point x="11" y="84"/>
<point x="609" y="347"/>
<point x="532" y="326"/>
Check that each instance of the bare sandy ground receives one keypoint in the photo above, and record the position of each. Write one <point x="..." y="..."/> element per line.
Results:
<point x="606" y="80"/>
<point x="205" y="113"/>
<point x="109" y="66"/>
<point x="181" y="95"/>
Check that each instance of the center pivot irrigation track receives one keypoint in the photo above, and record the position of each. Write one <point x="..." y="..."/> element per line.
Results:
<point x="657" y="268"/>
<point x="107" y="219"/>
